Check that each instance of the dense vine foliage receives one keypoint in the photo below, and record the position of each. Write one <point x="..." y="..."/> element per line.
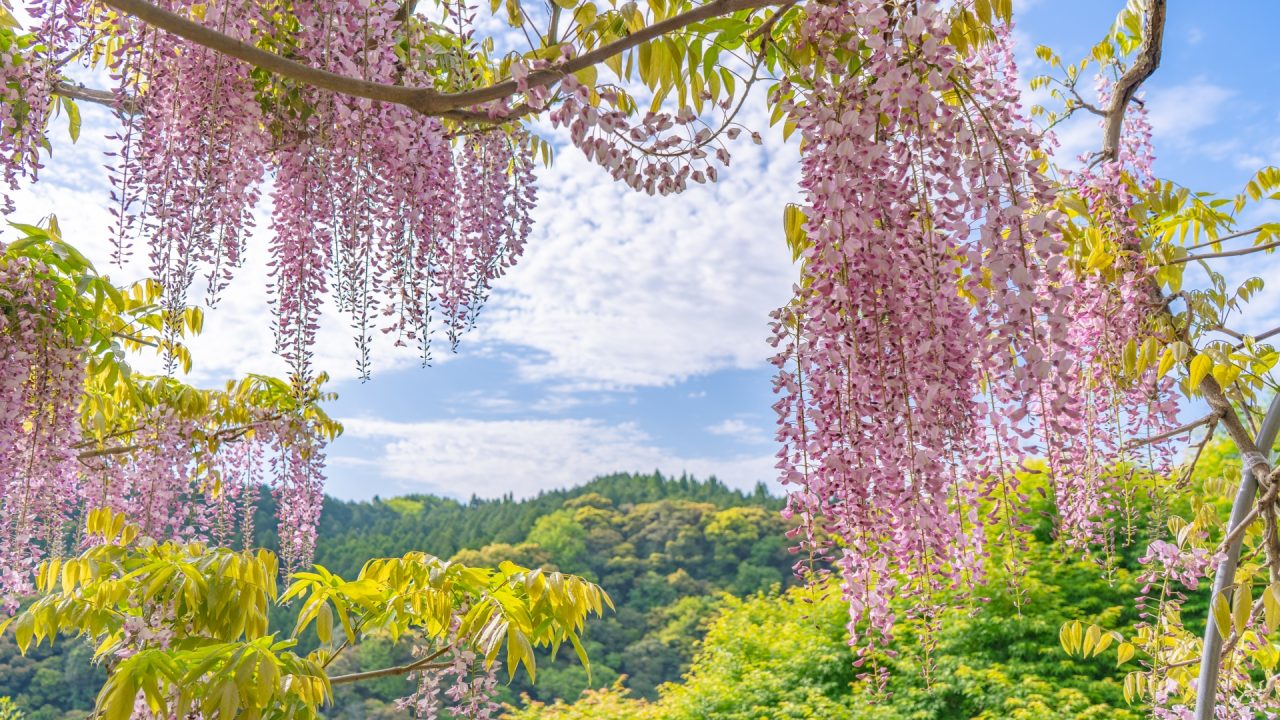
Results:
<point x="182" y="638"/>
<point x="82" y="430"/>
<point x="940" y="339"/>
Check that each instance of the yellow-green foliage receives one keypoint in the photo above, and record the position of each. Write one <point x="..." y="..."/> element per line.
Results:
<point x="211" y="605"/>
<point x="776" y="657"/>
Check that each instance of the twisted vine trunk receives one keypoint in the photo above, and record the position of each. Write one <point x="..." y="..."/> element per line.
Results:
<point x="1211" y="656"/>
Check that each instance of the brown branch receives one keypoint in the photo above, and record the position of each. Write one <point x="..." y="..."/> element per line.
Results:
<point x="1080" y="102"/>
<point x="1243" y="525"/>
<point x="1195" y="459"/>
<point x="406" y="10"/>
<point x="766" y="28"/>
<point x="1227" y="253"/>
<point x="108" y="436"/>
<point x="134" y="338"/>
<point x="425" y="100"/>
<point x="1211" y="417"/>
<point x="240" y="50"/>
<point x="420" y="664"/>
<point x="131" y="105"/>
<point x="100" y="97"/>
<point x="229" y="434"/>
<point x="1268" y="334"/>
<point x="118" y="450"/>
<point x="1240" y="435"/>
<point x="1224" y="238"/>
<point x="547" y="76"/>
<point x="1146" y="63"/>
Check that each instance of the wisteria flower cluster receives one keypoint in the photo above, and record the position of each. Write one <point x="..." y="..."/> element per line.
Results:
<point x="939" y="340"/>
<point x="462" y="685"/>
<point x="182" y="472"/>
<point x="405" y="224"/>
<point x="40" y="379"/>
<point x="659" y="154"/>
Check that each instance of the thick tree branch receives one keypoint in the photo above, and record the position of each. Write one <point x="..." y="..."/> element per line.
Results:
<point x="766" y="28"/>
<point x="406" y="10"/>
<point x="100" y="97"/>
<point x="1240" y="435"/>
<point x="547" y="76"/>
<point x="1210" y="418"/>
<point x="208" y="37"/>
<point x="427" y="101"/>
<point x="1238" y="531"/>
<point x="229" y="434"/>
<point x="1225" y="253"/>
<point x="130" y="105"/>
<point x="1146" y="63"/>
<point x="1268" y="334"/>
<point x="420" y="664"/>
<point x="1224" y="238"/>
<point x="102" y="452"/>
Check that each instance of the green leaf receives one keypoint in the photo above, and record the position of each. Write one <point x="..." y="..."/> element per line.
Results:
<point x="1271" y="606"/>
<point x="581" y="652"/>
<point x="1201" y="365"/>
<point x="7" y="20"/>
<point x="1242" y="604"/>
<point x="1124" y="653"/>
<point x="793" y="220"/>
<point x="1222" y="614"/>
<point x="1167" y="360"/>
<point x="324" y="624"/>
<point x="73" y="118"/>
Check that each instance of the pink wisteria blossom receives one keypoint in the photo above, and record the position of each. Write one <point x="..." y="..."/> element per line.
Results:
<point x="940" y="340"/>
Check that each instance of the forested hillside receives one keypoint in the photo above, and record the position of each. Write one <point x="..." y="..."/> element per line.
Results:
<point x="664" y="548"/>
<point x="686" y="561"/>
<point x="993" y="654"/>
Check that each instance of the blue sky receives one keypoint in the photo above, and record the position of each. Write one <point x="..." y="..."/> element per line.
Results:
<point x="632" y="335"/>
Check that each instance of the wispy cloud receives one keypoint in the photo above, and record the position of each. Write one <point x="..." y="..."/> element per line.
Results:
<point x="623" y="289"/>
<point x="1179" y="111"/>
<point x="748" y="433"/>
<point x="491" y="458"/>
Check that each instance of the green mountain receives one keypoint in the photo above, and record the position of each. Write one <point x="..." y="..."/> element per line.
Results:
<point x="664" y="548"/>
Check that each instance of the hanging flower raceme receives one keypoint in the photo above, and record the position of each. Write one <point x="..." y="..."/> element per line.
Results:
<point x="1114" y="385"/>
<point x="937" y="342"/>
<point x="30" y="71"/>
<point x="201" y="153"/>
<point x="402" y="222"/>
<point x="407" y="224"/>
<point x="41" y="373"/>
<point x="79" y="431"/>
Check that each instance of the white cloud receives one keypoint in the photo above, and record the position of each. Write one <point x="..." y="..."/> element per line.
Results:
<point x="237" y="336"/>
<point x="1076" y="136"/>
<point x="491" y="458"/>
<point x="1177" y="112"/>
<point x="622" y="289"/>
<point x="740" y="430"/>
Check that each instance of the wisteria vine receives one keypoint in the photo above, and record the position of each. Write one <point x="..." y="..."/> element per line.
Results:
<point x="940" y="339"/>
<point x="183" y="464"/>
<point x="406" y="225"/>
